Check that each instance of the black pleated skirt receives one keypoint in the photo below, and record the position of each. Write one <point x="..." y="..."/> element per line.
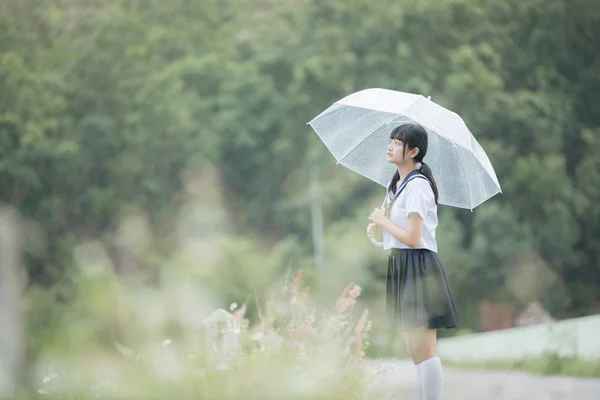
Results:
<point x="417" y="293"/>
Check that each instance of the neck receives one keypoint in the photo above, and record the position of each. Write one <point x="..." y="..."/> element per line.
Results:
<point x="405" y="169"/>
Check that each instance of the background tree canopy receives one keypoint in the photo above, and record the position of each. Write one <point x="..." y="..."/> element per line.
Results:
<point x="111" y="108"/>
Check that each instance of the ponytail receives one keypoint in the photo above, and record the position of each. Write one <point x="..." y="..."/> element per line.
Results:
<point x="394" y="181"/>
<point x="425" y="170"/>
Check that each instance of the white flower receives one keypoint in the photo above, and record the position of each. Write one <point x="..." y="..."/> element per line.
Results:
<point x="50" y="377"/>
<point x="166" y="342"/>
<point x="233" y="306"/>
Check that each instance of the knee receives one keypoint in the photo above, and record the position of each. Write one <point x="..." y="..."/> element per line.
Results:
<point x="420" y="354"/>
<point x="410" y="353"/>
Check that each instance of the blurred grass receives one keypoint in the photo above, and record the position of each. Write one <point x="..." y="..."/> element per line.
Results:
<point x="121" y="339"/>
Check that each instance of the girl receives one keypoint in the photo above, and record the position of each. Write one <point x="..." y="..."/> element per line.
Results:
<point x="419" y="299"/>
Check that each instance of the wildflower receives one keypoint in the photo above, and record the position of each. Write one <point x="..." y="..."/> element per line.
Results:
<point x="294" y="287"/>
<point x="239" y="314"/>
<point x="359" y="333"/>
<point x="50" y="377"/>
<point x="348" y="297"/>
<point x="233" y="307"/>
<point x="354" y="291"/>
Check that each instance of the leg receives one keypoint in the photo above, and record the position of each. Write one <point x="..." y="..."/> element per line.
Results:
<point x="422" y="343"/>
<point x="429" y="368"/>
<point x="408" y="344"/>
<point x="409" y="349"/>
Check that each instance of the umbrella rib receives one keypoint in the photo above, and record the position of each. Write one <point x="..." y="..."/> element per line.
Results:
<point x="465" y="176"/>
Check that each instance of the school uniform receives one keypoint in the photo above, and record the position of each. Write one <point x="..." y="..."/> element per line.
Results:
<point x="417" y="292"/>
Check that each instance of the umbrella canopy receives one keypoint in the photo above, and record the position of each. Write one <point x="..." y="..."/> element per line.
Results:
<point x="356" y="130"/>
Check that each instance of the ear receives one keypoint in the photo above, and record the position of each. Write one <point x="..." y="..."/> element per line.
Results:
<point x="413" y="153"/>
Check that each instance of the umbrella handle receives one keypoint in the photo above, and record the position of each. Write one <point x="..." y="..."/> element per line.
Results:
<point x="376" y="243"/>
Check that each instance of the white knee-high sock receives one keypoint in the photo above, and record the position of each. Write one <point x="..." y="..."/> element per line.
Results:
<point x="419" y="396"/>
<point x="431" y="379"/>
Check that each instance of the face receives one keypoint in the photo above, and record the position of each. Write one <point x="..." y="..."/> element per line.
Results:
<point x="396" y="153"/>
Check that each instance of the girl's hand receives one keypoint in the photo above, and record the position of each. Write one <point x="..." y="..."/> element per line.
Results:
<point x="371" y="230"/>
<point x="378" y="217"/>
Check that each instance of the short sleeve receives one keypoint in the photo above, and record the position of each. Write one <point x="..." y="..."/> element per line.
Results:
<point x="419" y="197"/>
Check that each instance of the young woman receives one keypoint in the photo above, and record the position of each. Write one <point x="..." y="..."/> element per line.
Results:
<point x="419" y="299"/>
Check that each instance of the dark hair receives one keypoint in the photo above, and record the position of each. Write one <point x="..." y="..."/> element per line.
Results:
<point x="414" y="135"/>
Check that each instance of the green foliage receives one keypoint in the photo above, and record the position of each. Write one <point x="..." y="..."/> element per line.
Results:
<point x="547" y="364"/>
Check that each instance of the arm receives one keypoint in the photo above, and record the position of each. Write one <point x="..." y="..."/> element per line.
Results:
<point x="411" y="236"/>
<point x="375" y="231"/>
<point x="379" y="234"/>
<point x="419" y="197"/>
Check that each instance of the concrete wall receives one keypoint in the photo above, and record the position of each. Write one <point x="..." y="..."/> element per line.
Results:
<point x="574" y="337"/>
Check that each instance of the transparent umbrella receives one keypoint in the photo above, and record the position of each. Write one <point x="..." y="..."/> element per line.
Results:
<point x="356" y="130"/>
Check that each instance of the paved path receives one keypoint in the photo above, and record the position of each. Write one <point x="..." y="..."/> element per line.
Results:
<point x="395" y="379"/>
